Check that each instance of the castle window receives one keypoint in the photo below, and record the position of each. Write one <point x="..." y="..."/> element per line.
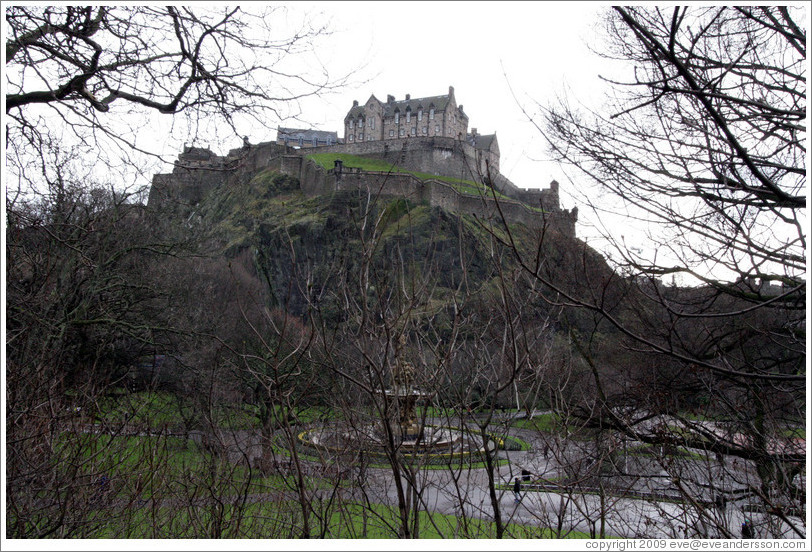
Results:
<point x="419" y="114"/>
<point x="431" y="113"/>
<point x="436" y="129"/>
<point x="351" y="137"/>
<point x="372" y="124"/>
<point x="402" y="132"/>
<point x="408" y="115"/>
<point x="360" y="123"/>
<point x="360" y="135"/>
<point x="414" y="131"/>
<point x="397" y="117"/>
<point x="425" y="130"/>
<point x="391" y="133"/>
<point x="351" y="123"/>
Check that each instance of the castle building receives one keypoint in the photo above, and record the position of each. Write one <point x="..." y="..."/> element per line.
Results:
<point x="418" y="118"/>
<point x="304" y="138"/>
<point x="393" y="120"/>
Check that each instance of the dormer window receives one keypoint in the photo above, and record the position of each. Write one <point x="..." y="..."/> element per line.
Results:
<point x="408" y="114"/>
<point x="431" y="113"/>
<point x="351" y="123"/>
<point x="397" y="117"/>
<point x="419" y="114"/>
<point x="360" y="123"/>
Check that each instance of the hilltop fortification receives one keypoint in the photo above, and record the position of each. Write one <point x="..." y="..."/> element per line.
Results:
<point x="428" y="136"/>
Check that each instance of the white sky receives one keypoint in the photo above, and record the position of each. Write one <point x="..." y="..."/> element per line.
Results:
<point x="483" y="50"/>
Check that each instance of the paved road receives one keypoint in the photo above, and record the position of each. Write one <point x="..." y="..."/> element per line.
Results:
<point x="624" y="518"/>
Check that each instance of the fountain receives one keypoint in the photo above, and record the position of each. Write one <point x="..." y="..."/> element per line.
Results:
<point x="413" y="437"/>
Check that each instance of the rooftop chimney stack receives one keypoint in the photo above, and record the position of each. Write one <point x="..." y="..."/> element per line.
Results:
<point x="408" y="96"/>
<point x="390" y="98"/>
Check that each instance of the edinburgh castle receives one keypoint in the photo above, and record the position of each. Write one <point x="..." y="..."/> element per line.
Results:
<point x="426" y="139"/>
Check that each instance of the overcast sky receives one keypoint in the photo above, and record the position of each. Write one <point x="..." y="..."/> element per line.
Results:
<point x="483" y="49"/>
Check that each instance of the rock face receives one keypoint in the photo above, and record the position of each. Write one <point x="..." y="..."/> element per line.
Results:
<point x="298" y="240"/>
<point x="302" y="224"/>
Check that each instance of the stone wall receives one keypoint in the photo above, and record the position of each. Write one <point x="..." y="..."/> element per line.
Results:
<point x="291" y="164"/>
<point x="317" y="181"/>
<point x="191" y="179"/>
<point x="186" y="185"/>
<point x="184" y="188"/>
<point x="439" y="156"/>
<point x="545" y="198"/>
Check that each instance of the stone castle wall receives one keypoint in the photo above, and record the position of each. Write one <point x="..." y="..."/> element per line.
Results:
<point x="318" y="181"/>
<point x="190" y="181"/>
<point x="184" y="188"/>
<point x="191" y="178"/>
<point x="439" y="156"/>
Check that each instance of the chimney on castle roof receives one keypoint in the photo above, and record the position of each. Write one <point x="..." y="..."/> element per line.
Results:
<point x="473" y="132"/>
<point x="390" y="98"/>
<point x="355" y="103"/>
<point x="408" y="96"/>
<point x="450" y="90"/>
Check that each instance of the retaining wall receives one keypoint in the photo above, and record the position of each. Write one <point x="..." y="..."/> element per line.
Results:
<point x="437" y="155"/>
<point x="315" y="180"/>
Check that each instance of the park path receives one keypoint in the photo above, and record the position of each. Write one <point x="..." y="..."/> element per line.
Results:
<point x="467" y="492"/>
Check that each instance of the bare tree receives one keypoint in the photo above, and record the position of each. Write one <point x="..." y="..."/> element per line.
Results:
<point x="703" y="139"/>
<point x="111" y="82"/>
<point x="88" y="297"/>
